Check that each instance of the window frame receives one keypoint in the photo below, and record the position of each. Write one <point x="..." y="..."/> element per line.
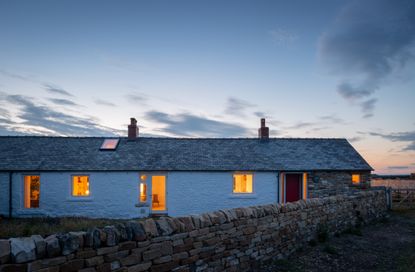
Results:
<point x="360" y="179"/>
<point x="75" y="197"/>
<point x="24" y="191"/>
<point x="253" y="193"/>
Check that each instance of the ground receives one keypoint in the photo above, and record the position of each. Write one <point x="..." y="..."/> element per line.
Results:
<point x="386" y="246"/>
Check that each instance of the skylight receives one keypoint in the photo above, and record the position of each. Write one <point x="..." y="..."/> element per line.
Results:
<point x="110" y="144"/>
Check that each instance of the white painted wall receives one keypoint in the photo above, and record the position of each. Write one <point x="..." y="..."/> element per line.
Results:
<point x="4" y="194"/>
<point x="196" y="192"/>
<point x="115" y="194"/>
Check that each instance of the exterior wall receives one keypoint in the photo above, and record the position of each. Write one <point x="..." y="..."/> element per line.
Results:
<point x="113" y="195"/>
<point x="196" y="192"/>
<point x="4" y="194"/>
<point x="322" y="184"/>
<point x="227" y="240"/>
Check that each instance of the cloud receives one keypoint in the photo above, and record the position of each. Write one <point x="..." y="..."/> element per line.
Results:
<point x="355" y="139"/>
<point x="332" y="119"/>
<point x="237" y="107"/>
<point x="190" y="125"/>
<point x="398" y="167"/>
<point x="349" y="92"/>
<point x="35" y="118"/>
<point x="369" y="41"/>
<point x="282" y="36"/>
<point x="367" y="107"/>
<point x="63" y="102"/>
<point x="104" y="103"/>
<point x="408" y="136"/>
<point x="16" y="76"/>
<point x="300" y="125"/>
<point x="56" y="90"/>
<point x="136" y="98"/>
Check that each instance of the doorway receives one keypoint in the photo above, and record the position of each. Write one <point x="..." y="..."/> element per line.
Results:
<point x="293" y="187"/>
<point x="158" y="193"/>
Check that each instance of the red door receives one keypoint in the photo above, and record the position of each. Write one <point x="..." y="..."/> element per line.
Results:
<point x="292" y="185"/>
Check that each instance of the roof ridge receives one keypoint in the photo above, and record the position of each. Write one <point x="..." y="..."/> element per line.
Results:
<point x="170" y="138"/>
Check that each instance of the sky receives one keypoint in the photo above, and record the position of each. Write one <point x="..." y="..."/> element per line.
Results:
<point x="319" y="69"/>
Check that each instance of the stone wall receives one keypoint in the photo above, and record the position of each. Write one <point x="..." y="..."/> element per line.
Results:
<point x="330" y="183"/>
<point x="225" y="240"/>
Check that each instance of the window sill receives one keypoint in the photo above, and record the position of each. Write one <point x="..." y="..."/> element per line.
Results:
<point x="80" y="199"/>
<point x="248" y="196"/>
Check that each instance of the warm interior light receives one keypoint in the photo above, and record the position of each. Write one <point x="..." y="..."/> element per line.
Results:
<point x="158" y="192"/>
<point x="242" y="183"/>
<point x="356" y="178"/>
<point x="31" y="191"/>
<point x="143" y="177"/>
<point x="143" y="192"/>
<point x="304" y="185"/>
<point x="80" y="186"/>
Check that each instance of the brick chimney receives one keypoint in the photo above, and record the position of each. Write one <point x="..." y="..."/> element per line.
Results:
<point x="263" y="131"/>
<point x="132" y="130"/>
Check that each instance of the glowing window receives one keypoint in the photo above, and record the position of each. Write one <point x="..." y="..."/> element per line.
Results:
<point x="143" y="188"/>
<point x="80" y="186"/>
<point x="242" y="183"/>
<point x="110" y="144"/>
<point x="143" y="192"/>
<point x="31" y="191"/>
<point x="356" y="178"/>
<point x="304" y="185"/>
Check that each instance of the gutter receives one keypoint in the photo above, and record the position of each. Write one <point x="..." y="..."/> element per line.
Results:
<point x="10" y="193"/>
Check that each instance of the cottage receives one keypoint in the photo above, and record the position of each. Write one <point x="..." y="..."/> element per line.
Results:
<point x="130" y="177"/>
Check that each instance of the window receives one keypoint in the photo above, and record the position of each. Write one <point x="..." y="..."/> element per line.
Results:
<point x="110" y="144"/>
<point x="356" y="178"/>
<point x="31" y="191"/>
<point x="143" y="188"/>
<point x="80" y="186"/>
<point x="242" y="183"/>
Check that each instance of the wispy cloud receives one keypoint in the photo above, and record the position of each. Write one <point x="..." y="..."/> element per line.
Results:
<point x="36" y="118"/>
<point x="355" y="139"/>
<point x="368" y="41"/>
<point x="332" y="118"/>
<point x="56" y="90"/>
<point x="408" y="136"/>
<point x="16" y="76"/>
<point x="104" y="103"/>
<point x="368" y="107"/>
<point x="398" y="167"/>
<point x="190" y="125"/>
<point x="237" y="107"/>
<point x="135" y="98"/>
<point x="63" y="102"/>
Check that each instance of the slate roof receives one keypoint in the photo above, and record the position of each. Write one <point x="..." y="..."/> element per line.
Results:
<point x="27" y="153"/>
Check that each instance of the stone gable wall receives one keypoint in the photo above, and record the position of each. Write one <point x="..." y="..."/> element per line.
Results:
<point x="330" y="183"/>
<point x="225" y="240"/>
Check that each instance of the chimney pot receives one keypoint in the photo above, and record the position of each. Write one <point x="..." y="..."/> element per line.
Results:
<point x="263" y="131"/>
<point x="132" y="129"/>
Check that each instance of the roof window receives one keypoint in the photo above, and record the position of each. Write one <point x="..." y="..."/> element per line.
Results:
<point x="110" y="144"/>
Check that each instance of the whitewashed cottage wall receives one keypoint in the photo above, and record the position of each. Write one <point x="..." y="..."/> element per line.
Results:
<point x="115" y="194"/>
<point x="4" y="193"/>
<point x="196" y="192"/>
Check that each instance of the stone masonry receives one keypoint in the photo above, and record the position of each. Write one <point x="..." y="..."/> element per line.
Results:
<point x="330" y="183"/>
<point x="225" y="240"/>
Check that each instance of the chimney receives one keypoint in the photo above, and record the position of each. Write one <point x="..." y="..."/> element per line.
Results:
<point x="132" y="130"/>
<point x="263" y="131"/>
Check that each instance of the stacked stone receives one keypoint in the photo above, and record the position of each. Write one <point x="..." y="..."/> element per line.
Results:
<point x="225" y="240"/>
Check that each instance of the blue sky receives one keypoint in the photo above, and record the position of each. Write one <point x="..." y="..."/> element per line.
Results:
<point x="212" y="69"/>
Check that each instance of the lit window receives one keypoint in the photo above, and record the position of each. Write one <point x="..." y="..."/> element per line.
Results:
<point x="31" y="191"/>
<point x="304" y="185"/>
<point x="80" y="186"/>
<point x="143" y="188"/>
<point x="109" y="144"/>
<point x="242" y="183"/>
<point x="356" y="178"/>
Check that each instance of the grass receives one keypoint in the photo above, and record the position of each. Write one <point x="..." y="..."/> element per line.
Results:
<point x="48" y="225"/>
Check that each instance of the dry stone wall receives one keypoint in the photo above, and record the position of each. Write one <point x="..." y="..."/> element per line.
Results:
<point x="225" y="240"/>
